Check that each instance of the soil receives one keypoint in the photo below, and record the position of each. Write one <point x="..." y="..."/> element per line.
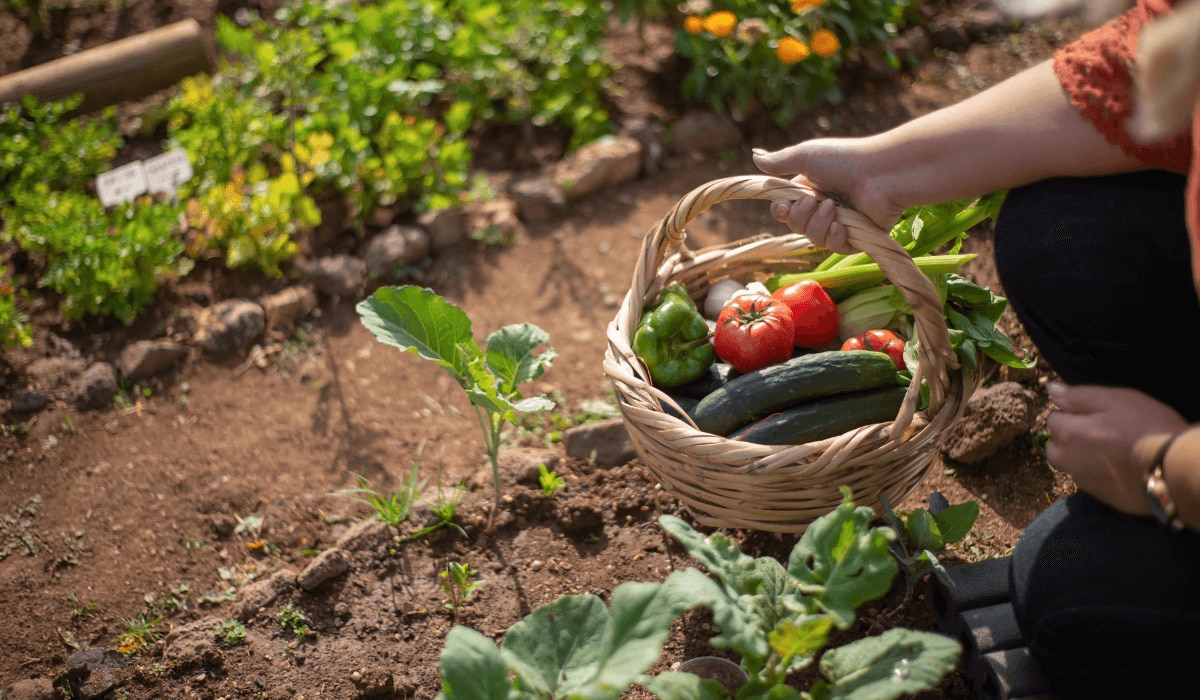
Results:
<point x="188" y="499"/>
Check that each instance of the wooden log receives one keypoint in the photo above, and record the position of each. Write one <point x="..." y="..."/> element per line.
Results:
<point x="126" y="69"/>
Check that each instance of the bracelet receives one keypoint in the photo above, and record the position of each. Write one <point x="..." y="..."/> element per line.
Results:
<point x="1161" y="503"/>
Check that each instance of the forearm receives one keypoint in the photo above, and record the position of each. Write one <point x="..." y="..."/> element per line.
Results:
<point x="1181" y="471"/>
<point x="1019" y="131"/>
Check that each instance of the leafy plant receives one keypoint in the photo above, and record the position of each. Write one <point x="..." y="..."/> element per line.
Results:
<point x="14" y="323"/>
<point x="139" y="634"/>
<point x="232" y="632"/>
<point x="392" y="508"/>
<point x="294" y="620"/>
<point x="418" y="321"/>
<point x="550" y="481"/>
<point x="777" y="618"/>
<point x="781" y="56"/>
<point x="458" y="585"/>
<point x="921" y="533"/>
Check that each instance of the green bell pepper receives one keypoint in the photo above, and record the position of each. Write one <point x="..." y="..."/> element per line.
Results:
<point x="672" y="339"/>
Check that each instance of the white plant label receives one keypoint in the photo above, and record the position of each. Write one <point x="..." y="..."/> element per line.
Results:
<point x="166" y="171"/>
<point x="121" y="184"/>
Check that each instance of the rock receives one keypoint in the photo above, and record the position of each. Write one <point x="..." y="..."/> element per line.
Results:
<point x="283" y="308"/>
<point x="147" y="358"/>
<point x="92" y="672"/>
<point x="336" y="275"/>
<point x="539" y="198"/>
<point x="446" y="227"/>
<point x="328" y="565"/>
<point x="499" y="215"/>
<point x="606" y="441"/>
<point x="229" y="326"/>
<point x="31" y="689"/>
<point x="95" y="388"/>
<point x="366" y="535"/>
<point x="29" y="400"/>
<point x="223" y="525"/>
<point x="194" y="641"/>
<point x="53" y="372"/>
<point x="702" y="130"/>
<point x="983" y="22"/>
<point x="373" y="683"/>
<point x="993" y="418"/>
<point x="261" y="594"/>
<point x="603" y="163"/>
<point x="395" y="246"/>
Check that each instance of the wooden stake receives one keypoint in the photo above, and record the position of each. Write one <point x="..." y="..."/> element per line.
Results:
<point x="127" y="69"/>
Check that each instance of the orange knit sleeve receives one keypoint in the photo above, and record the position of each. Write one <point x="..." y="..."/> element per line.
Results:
<point x="1094" y="70"/>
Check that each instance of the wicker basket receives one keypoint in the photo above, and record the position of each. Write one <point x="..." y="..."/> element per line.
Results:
<point x="734" y="484"/>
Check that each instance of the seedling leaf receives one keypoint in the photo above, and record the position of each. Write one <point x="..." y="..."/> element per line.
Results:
<point x="896" y="663"/>
<point x="843" y="562"/>
<point x="511" y="358"/>
<point x="472" y="667"/>
<point x="955" y="521"/>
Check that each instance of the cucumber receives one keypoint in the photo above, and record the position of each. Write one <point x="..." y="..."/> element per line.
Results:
<point x="770" y="389"/>
<point x="687" y="403"/>
<point x="718" y="374"/>
<point x="824" y="418"/>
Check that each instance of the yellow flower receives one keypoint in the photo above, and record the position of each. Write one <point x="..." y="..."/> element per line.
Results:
<point x="825" y="43"/>
<point x="720" y="24"/>
<point x="693" y="24"/>
<point x="799" y="6"/>
<point x="791" y="50"/>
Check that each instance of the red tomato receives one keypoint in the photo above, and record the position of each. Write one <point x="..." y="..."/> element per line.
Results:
<point x="814" y="313"/>
<point x="753" y="331"/>
<point x="879" y="341"/>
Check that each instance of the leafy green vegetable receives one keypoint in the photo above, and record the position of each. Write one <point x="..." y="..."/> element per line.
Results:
<point x="922" y="533"/>
<point x="419" y="321"/>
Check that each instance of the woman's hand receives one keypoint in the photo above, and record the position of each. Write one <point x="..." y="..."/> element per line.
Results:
<point x="837" y="168"/>
<point x="1092" y="436"/>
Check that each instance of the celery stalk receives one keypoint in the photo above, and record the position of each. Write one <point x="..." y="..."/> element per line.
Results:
<point x="866" y="274"/>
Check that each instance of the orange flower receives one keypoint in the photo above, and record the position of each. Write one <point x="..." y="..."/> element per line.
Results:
<point x="825" y="43"/>
<point x="720" y="24"/>
<point x="791" y="50"/>
<point x="799" y="6"/>
<point x="693" y="24"/>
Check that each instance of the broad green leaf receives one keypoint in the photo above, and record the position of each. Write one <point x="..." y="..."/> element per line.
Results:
<point x="801" y="639"/>
<point x="419" y="321"/>
<point x="842" y="562"/>
<point x="510" y="355"/>
<point x="683" y="686"/>
<point x="572" y="647"/>
<point x="955" y="521"/>
<point x="472" y="667"/>
<point x="718" y="554"/>
<point x="896" y="663"/>
<point x="923" y="531"/>
<point x="557" y="647"/>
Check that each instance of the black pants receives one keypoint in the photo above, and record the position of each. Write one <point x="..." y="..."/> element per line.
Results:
<point x="1098" y="271"/>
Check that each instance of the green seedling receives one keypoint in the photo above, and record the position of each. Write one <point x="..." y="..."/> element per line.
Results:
<point x="392" y="508"/>
<point x="920" y="533"/>
<point x="294" y="619"/>
<point x="79" y="612"/>
<point x="550" y="481"/>
<point x="232" y="631"/>
<point x="458" y="585"/>
<point x="139" y="635"/>
<point x="418" y="321"/>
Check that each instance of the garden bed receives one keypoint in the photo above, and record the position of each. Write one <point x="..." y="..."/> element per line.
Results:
<point x="202" y="496"/>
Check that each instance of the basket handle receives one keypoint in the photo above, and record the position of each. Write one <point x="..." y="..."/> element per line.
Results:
<point x="937" y="356"/>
